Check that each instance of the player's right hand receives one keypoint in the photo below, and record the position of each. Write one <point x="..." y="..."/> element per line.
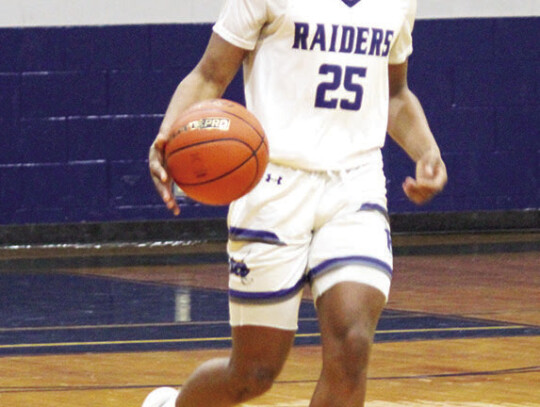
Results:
<point x="161" y="178"/>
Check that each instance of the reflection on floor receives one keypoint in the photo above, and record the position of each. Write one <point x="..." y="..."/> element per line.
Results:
<point x="462" y="326"/>
<point x="46" y="309"/>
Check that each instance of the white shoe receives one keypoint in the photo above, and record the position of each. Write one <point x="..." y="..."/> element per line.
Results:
<point x="161" y="397"/>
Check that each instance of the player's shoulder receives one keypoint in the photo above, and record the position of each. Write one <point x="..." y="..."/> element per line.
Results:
<point x="265" y="4"/>
<point x="277" y="4"/>
<point x="411" y="6"/>
<point x="404" y="4"/>
<point x="406" y="8"/>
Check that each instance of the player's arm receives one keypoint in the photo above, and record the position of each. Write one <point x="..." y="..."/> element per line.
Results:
<point x="408" y="126"/>
<point x="209" y="79"/>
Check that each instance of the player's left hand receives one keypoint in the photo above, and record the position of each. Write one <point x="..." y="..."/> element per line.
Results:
<point x="430" y="179"/>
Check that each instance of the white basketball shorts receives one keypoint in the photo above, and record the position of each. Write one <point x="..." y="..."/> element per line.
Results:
<point x="306" y="227"/>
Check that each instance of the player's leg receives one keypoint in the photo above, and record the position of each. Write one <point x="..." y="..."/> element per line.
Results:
<point x="258" y="354"/>
<point x="262" y="333"/>
<point x="269" y="236"/>
<point x="350" y="291"/>
<point x="348" y="314"/>
<point x="350" y="272"/>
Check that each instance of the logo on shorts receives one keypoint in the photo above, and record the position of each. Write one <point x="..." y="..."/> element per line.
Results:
<point x="271" y="178"/>
<point x="389" y="240"/>
<point x="238" y="268"/>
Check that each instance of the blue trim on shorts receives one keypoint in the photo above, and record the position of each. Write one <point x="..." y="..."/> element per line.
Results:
<point x="243" y="296"/>
<point x="345" y="261"/>
<point x="254" y="235"/>
<point x="375" y="207"/>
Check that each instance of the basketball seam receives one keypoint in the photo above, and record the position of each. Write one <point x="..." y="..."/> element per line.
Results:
<point x="248" y="123"/>
<point x="253" y="154"/>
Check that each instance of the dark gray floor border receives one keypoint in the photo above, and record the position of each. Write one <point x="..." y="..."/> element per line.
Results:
<point x="215" y="230"/>
<point x="220" y="257"/>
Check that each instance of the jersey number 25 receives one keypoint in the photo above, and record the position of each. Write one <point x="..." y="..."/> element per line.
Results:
<point x="336" y="80"/>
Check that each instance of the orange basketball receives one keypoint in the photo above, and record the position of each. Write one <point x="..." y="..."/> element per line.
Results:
<point x="218" y="152"/>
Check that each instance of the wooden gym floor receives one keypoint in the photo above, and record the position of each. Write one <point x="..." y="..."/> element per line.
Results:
<point x="103" y="325"/>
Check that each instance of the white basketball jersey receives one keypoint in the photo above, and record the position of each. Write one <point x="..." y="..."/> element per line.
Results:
<point x="317" y="76"/>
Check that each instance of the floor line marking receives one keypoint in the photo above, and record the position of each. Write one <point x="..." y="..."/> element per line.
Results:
<point x="22" y="389"/>
<point x="221" y="339"/>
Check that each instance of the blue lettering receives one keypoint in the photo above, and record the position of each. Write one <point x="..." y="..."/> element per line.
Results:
<point x="319" y="39"/>
<point x="361" y="47"/>
<point x="387" y="42"/>
<point x="347" y="39"/>
<point x="376" y="42"/>
<point x="301" y="32"/>
<point x="344" y="39"/>
<point x="334" y="38"/>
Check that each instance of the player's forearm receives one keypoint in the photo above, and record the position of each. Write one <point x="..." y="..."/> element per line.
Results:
<point x="408" y="126"/>
<point x="192" y="89"/>
<point x="208" y="80"/>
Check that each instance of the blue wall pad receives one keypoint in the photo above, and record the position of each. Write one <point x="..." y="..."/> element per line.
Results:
<point x="79" y="107"/>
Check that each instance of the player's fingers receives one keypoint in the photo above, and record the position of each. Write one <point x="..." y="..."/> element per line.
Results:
<point x="430" y="179"/>
<point x="167" y="196"/>
<point x="158" y="172"/>
<point x="156" y="160"/>
<point x="430" y="185"/>
<point x="173" y="207"/>
<point x="160" y="177"/>
<point x="418" y="196"/>
<point x="160" y="141"/>
<point x="409" y="187"/>
<point x="415" y="196"/>
<point x="416" y="192"/>
<point x="435" y="183"/>
<point x="163" y="189"/>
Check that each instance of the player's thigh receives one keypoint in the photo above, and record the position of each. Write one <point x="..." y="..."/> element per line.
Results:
<point x="350" y="273"/>
<point x="353" y="247"/>
<point x="270" y="232"/>
<point x="259" y="351"/>
<point x="348" y="314"/>
<point x="266" y="285"/>
<point x="350" y="309"/>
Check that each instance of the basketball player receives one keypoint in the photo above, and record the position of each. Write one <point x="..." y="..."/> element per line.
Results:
<point x="327" y="79"/>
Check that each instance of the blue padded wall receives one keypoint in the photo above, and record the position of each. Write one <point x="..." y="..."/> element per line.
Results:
<point x="79" y="107"/>
<point x="478" y="80"/>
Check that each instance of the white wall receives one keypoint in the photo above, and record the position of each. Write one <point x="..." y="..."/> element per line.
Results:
<point x="477" y="8"/>
<point x="21" y="13"/>
<point x="103" y="12"/>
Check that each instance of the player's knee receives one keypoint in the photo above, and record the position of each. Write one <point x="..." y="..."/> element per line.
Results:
<point x="351" y="355"/>
<point x="358" y="346"/>
<point x="252" y="382"/>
